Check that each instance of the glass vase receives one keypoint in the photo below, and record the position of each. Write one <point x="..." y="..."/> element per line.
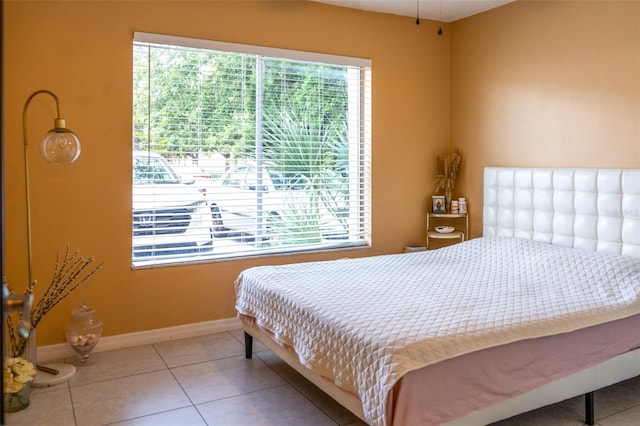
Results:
<point x="30" y="351"/>
<point x="19" y="400"/>
<point x="448" y="196"/>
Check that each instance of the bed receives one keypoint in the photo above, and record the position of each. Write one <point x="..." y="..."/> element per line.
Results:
<point x="543" y="307"/>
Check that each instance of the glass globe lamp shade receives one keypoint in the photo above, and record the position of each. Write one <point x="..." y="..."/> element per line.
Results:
<point x="60" y="145"/>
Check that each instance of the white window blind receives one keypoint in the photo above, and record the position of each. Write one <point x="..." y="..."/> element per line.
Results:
<point x="242" y="150"/>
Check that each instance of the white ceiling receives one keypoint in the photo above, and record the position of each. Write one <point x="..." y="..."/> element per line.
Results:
<point x="435" y="10"/>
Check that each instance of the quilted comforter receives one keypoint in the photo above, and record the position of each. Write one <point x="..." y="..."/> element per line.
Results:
<point x="364" y="323"/>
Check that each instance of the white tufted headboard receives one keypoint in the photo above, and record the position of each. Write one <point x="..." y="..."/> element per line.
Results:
<point x="593" y="209"/>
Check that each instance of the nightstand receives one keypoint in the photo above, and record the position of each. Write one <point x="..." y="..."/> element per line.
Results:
<point x="461" y="232"/>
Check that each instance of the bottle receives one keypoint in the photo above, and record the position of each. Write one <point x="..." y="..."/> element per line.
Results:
<point x="462" y="203"/>
<point x="455" y="209"/>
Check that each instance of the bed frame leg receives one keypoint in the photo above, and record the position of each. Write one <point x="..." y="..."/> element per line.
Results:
<point x="248" y="346"/>
<point x="589" y="408"/>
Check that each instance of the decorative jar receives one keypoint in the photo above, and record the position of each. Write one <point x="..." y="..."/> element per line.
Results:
<point x="84" y="332"/>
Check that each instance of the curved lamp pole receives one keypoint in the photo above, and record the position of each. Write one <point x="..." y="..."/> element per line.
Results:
<point x="60" y="145"/>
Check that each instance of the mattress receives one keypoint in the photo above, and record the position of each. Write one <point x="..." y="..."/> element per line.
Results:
<point x="365" y="323"/>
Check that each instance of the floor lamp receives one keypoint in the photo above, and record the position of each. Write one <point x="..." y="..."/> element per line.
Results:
<point x="59" y="146"/>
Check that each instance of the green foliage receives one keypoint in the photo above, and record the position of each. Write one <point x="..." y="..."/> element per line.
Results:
<point x="190" y="101"/>
<point x="197" y="100"/>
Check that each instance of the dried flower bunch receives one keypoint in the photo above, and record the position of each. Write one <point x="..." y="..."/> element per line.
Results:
<point x="448" y="167"/>
<point x="67" y="276"/>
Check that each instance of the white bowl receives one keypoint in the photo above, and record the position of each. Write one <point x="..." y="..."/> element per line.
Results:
<point x="445" y="229"/>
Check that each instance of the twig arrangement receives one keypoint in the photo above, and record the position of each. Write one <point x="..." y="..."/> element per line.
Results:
<point x="448" y="167"/>
<point x="67" y="276"/>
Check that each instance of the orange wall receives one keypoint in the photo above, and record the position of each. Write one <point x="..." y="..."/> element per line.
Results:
<point x="533" y="83"/>
<point x="82" y="51"/>
<point x="545" y="84"/>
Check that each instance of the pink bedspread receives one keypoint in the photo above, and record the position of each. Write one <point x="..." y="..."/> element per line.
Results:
<point x="458" y="386"/>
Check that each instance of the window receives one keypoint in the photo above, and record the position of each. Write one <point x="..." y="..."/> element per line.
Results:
<point x="243" y="151"/>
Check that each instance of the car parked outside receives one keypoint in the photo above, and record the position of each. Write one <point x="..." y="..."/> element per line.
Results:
<point x="193" y="173"/>
<point x="244" y="202"/>
<point x="251" y="203"/>
<point x="169" y="215"/>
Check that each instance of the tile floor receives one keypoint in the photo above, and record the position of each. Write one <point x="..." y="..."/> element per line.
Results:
<point x="207" y="381"/>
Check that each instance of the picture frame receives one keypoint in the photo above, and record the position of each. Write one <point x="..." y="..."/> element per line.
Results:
<point x="438" y="204"/>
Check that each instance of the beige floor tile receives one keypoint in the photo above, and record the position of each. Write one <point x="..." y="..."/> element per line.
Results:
<point x="283" y="369"/>
<point x="257" y="346"/>
<point x="199" y="349"/>
<point x="238" y="335"/>
<point x="127" y="398"/>
<point x="279" y="406"/>
<point x="50" y="406"/>
<point x="134" y="387"/>
<point x="608" y="401"/>
<point x="223" y="378"/>
<point x="551" y="415"/>
<point x="116" y="364"/>
<point x="633" y="385"/>
<point x="327" y="404"/>
<point x="630" y="417"/>
<point x="323" y="401"/>
<point x="188" y="416"/>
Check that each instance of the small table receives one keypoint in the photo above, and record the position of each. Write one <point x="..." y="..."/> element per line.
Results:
<point x="458" y="233"/>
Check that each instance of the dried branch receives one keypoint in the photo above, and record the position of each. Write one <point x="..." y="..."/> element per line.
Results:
<point x="68" y="275"/>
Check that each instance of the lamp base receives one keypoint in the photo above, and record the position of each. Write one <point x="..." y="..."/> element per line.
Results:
<point x="44" y="379"/>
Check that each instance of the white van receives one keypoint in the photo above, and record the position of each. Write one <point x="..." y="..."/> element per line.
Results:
<point x="170" y="216"/>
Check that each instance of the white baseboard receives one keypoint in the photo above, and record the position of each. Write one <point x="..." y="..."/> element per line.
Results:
<point x="62" y="350"/>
